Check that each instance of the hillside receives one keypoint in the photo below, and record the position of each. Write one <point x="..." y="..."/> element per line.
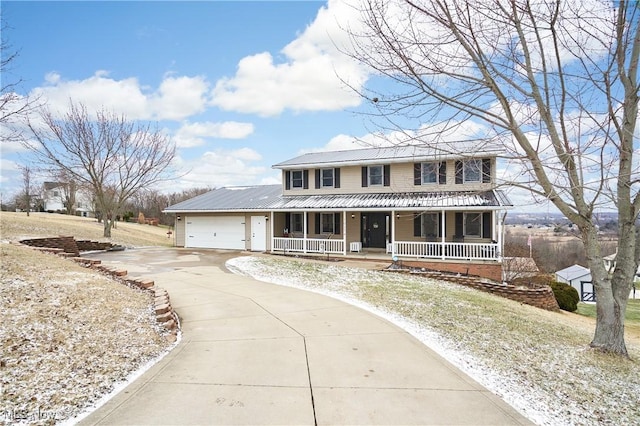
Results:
<point x="68" y="334"/>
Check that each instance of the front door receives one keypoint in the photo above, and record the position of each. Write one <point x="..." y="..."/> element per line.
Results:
<point x="375" y="229"/>
<point x="258" y="233"/>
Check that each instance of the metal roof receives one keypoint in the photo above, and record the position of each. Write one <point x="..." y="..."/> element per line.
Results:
<point x="269" y="197"/>
<point x="394" y="154"/>
<point x="258" y="197"/>
<point x="572" y="272"/>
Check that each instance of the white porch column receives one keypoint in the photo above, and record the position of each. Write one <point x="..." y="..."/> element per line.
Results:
<point x="344" y="233"/>
<point x="500" y="221"/>
<point x="443" y="238"/>
<point x="271" y="229"/>
<point x="393" y="233"/>
<point x="304" y="232"/>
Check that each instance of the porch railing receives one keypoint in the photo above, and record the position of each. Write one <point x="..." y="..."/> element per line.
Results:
<point x="313" y="245"/>
<point x="447" y="250"/>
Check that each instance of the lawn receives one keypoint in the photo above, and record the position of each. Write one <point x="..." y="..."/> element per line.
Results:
<point x="632" y="316"/>
<point x="538" y="361"/>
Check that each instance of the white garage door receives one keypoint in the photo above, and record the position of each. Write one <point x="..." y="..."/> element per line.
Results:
<point x="223" y="232"/>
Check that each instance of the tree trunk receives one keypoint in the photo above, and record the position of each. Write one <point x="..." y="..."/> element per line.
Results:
<point x="612" y="291"/>
<point x="108" y="223"/>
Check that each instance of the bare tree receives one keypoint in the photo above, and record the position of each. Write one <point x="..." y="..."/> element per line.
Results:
<point x="28" y="188"/>
<point x="113" y="157"/>
<point x="13" y="106"/>
<point x="556" y="83"/>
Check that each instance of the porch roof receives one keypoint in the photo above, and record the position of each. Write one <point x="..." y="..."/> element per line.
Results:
<point x="269" y="197"/>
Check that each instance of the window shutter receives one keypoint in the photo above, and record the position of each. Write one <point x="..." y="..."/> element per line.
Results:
<point x="287" y="179"/>
<point x="459" y="224"/>
<point x="305" y="179"/>
<point x="387" y="175"/>
<point x="439" y="233"/>
<point x="442" y="173"/>
<point x="417" y="174"/>
<point x="317" y="178"/>
<point x="417" y="225"/>
<point x="486" y="225"/>
<point x="486" y="170"/>
<point x="365" y="177"/>
<point x="317" y="223"/>
<point x="459" y="169"/>
<point x="287" y="221"/>
<point x="336" y="178"/>
<point x="336" y="223"/>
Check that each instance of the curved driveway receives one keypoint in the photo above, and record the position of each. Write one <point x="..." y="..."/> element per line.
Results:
<point x="258" y="353"/>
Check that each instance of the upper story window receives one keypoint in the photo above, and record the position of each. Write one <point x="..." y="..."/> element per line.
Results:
<point x="430" y="173"/>
<point x="296" y="179"/>
<point x="377" y="175"/>
<point x="474" y="170"/>
<point x="328" y="178"/>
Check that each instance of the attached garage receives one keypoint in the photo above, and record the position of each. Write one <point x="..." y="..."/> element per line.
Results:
<point x="221" y="232"/>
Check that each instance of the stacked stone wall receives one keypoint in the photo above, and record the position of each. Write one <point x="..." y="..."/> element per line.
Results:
<point x="539" y="297"/>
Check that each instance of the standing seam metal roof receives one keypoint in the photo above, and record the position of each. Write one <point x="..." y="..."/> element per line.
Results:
<point x="269" y="197"/>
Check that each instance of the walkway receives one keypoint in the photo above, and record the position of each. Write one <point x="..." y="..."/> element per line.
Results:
<point x="256" y="353"/>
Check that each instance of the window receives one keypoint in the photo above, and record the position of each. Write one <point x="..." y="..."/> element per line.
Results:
<point x="296" y="222"/>
<point x="375" y="175"/>
<point x="473" y="225"/>
<point x="56" y="193"/>
<point x="430" y="173"/>
<point x="472" y="170"/>
<point x="327" y="223"/>
<point x="326" y="177"/>
<point x="430" y="225"/>
<point x="296" y="179"/>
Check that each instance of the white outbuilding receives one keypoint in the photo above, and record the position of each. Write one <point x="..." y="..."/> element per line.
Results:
<point x="579" y="278"/>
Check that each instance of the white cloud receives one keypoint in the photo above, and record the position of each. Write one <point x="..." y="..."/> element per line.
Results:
<point x="220" y="168"/>
<point x="176" y="98"/>
<point x="194" y="134"/>
<point x="311" y="78"/>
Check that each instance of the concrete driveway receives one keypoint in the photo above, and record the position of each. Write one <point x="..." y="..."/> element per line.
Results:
<point x="257" y="353"/>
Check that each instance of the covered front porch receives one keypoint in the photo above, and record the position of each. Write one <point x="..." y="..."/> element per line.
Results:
<point x="442" y="235"/>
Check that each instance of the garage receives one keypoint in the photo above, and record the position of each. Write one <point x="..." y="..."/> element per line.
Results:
<point x="222" y="232"/>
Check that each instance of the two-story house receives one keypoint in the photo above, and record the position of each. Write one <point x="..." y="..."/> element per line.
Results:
<point x="56" y="195"/>
<point x="407" y="203"/>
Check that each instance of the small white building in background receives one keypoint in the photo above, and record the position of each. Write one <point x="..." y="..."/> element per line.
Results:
<point x="579" y="278"/>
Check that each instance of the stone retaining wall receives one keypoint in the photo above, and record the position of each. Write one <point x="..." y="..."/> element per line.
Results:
<point x="165" y="315"/>
<point x="539" y="297"/>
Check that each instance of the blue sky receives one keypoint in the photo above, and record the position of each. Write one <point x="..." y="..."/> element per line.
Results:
<point x="239" y="86"/>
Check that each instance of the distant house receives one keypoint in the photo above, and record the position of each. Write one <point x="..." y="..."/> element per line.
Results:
<point x="410" y="202"/>
<point x="579" y="278"/>
<point x="610" y="264"/>
<point x="55" y="195"/>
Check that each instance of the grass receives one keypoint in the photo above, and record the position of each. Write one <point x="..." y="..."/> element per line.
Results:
<point x="68" y="334"/>
<point x="16" y="226"/>
<point x="538" y="360"/>
<point x="632" y="315"/>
